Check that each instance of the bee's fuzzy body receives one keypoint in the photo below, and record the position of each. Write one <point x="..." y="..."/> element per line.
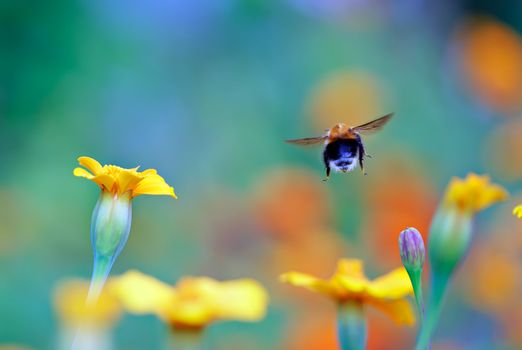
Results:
<point x="343" y="155"/>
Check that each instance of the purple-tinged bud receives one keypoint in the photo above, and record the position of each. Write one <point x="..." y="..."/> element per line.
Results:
<point x="411" y="247"/>
<point x="413" y="254"/>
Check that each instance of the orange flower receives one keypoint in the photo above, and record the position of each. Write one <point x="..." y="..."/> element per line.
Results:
<point x="292" y="201"/>
<point x="351" y="97"/>
<point x="409" y="200"/>
<point x="502" y="147"/>
<point x="491" y="56"/>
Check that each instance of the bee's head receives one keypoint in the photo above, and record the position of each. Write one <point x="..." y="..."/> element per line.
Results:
<point x="338" y="130"/>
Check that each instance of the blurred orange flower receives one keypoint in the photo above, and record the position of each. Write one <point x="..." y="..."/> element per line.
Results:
<point x="495" y="261"/>
<point x="392" y="211"/>
<point x="510" y="323"/>
<point x="502" y="147"/>
<point x="490" y="268"/>
<point x="317" y="332"/>
<point x="385" y="335"/>
<point x="289" y="202"/>
<point x="315" y="251"/>
<point x="490" y="61"/>
<point x="312" y="333"/>
<point x="352" y="97"/>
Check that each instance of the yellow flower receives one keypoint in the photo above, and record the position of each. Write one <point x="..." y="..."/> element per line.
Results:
<point x="517" y="211"/>
<point x="69" y="303"/>
<point x="474" y="193"/>
<point x="116" y="180"/>
<point x="387" y="293"/>
<point x="194" y="302"/>
<point x="112" y="216"/>
<point x="450" y="238"/>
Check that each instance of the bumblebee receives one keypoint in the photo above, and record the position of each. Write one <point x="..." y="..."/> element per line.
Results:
<point x="343" y="146"/>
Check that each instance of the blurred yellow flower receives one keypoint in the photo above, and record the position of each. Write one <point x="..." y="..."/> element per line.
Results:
<point x="387" y="293"/>
<point x="69" y="303"/>
<point x="112" y="178"/>
<point x="517" y="211"/>
<point x="474" y="193"/>
<point x="194" y="302"/>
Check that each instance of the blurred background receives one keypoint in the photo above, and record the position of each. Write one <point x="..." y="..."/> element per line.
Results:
<point x="206" y="92"/>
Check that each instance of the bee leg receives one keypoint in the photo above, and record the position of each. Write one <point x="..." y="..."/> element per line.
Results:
<point x="362" y="153"/>
<point x="327" y="174"/>
<point x="327" y="166"/>
<point x="362" y="168"/>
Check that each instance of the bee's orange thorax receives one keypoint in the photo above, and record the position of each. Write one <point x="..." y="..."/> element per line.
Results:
<point x="341" y="131"/>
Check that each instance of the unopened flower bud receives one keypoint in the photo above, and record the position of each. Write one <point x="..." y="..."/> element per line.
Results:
<point x="111" y="223"/>
<point x="110" y="227"/>
<point x="411" y="247"/>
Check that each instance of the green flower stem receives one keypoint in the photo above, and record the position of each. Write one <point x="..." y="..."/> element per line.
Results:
<point x="85" y="338"/>
<point x="439" y="285"/>
<point x="100" y="273"/>
<point x="185" y="339"/>
<point x="351" y="326"/>
<point x="416" y="282"/>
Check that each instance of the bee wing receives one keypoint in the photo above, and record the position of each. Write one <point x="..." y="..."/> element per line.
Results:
<point x="307" y="140"/>
<point x="374" y="125"/>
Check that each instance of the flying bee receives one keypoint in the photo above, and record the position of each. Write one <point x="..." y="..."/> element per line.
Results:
<point x="343" y="146"/>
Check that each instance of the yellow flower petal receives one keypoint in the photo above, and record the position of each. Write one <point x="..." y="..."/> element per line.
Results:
<point x="394" y="285"/>
<point x="474" y="193"/>
<point x="309" y="282"/>
<point x="351" y="286"/>
<point x="349" y="283"/>
<point x="148" y="172"/>
<point x="106" y="182"/>
<point x="350" y="268"/>
<point x="69" y="302"/>
<point x="399" y="310"/>
<point x="517" y="211"/>
<point x="81" y="172"/>
<point x="154" y="185"/>
<point x="127" y="180"/>
<point x="92" y="164"/>
<point x="189" y="314"/>
<point x="119" y="180"/>
<point x="244" y="300"/>
<point x="350" y="275"/>
<point x="194" y="302"/>
<point x="141" y="294"/>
